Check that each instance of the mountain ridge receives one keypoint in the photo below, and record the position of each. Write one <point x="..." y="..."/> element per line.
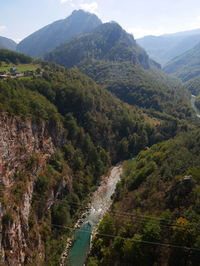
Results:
<point x="112" y="57"/>
<point x="186" y="66"/>
<point x="43" y="40"/>
<point x="108" y="42"/>
<point x="165" y="47"/>
<point x="6" y="43"/>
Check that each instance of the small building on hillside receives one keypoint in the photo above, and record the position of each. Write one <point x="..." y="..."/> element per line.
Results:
<point x="14" y="71"/>
<point x="29" y="73"/>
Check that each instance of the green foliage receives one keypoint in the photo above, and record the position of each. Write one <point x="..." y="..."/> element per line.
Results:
<point x="107" y="42"/>
<point x="32" y="162"/>
<point x="41" y="184"/>
<point x="161" y="189"/>
<point x="19" y="101"/>
<point x="137" y="86"/>
<point x="186" y="66"/>
<point x="14" y="57"/>
<point x="7" y="220"/>
<point x="112" y="58"/>
<point x="193" y="85"/>
<point x="106" y="121"/>
<point x="60" y="214"/>
<point x="97" y="129"/>
<point x="197" y="102"/>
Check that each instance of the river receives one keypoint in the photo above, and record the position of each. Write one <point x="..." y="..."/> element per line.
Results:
<point x="197" y="111"/>
<point x="100" y="204"/>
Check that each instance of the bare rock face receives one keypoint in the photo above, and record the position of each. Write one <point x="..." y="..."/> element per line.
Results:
<point x="25" y="147"/>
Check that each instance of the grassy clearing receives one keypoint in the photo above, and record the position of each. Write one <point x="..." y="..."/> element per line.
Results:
<point x="29" y="77"/>
<point x="20" y="67"/>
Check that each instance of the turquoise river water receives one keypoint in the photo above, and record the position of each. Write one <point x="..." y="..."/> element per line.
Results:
<point x="100" y="203"/>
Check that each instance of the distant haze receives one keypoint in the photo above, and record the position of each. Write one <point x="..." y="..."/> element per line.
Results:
<point x="20" y="18"/>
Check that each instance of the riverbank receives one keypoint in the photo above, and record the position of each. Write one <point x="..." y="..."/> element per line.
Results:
<point x="79" y="244"/>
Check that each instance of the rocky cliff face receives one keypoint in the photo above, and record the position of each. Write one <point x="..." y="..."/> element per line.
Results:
<point x="25" y="147"/>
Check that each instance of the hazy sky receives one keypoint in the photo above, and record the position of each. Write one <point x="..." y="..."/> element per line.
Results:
<point x="19" y="18"/>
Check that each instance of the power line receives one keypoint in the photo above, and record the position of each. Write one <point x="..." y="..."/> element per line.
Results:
<point x="125" y="215"/>
<point x="132" y="215"/>
<point x="134" y="240"/>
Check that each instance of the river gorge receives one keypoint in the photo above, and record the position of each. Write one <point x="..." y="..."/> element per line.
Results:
<point x="78" y="248"/>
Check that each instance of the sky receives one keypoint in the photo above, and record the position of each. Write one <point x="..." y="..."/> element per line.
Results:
<point x="20" y="18"/>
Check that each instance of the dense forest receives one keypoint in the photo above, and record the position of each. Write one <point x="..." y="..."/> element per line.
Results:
<point x="185" y="66"/>
<point x="14" y="57"/>
<point x="155" y="216"/>
<point x="193" y="85"/>
<point x="107" y="42"/>
<point x="108" y="103"/>
<point x="111" y="57"/>
<point x="91" y="129"/>
<point x="140" y="87"/>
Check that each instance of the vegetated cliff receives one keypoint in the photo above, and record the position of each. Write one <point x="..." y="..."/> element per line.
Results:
<point x="185" y="66"/>
<point x="106" y="42"/>
<point x="111" y="57"/>
<point x="155" y="216"/>
<point x="25" y="147"/>
<point x="59" y="134"/>
<point x="54" y="148"/>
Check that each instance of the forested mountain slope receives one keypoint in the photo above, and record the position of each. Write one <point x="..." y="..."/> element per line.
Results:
<point x="107" y="42"/>
<point x="165" y="47"/>
<point x="14" y="57"/>
<point x="59" y="132"/>
<point x="61" y="31"/>
<point x="155" y="216"/>
<point x="112" y="58"/>
<point x="186" y="66"/>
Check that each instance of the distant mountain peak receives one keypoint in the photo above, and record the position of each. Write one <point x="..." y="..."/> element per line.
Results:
<point x="6" y="43"/>
<point x="80" y="11"/>
<point x="43" y="41"/>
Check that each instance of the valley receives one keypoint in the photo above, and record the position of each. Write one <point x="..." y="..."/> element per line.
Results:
<point x="99" y="146"/>
<point x="99" y="205"/>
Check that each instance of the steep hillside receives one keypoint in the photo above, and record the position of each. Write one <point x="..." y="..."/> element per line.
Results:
<point x="6" y="43"/>
<point x="165" y="47"/>
<point x="53" y="35"/>
<point x="112" y="58"/>
<point x="151" y="90"/>
<point x="108" y="42"/>
<point x="193" y="85"/>
<point x="155" y="217"/>
<point x="185" y="66"/>
<point x="59" y="134"/>
<point x="14" y="57"/>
